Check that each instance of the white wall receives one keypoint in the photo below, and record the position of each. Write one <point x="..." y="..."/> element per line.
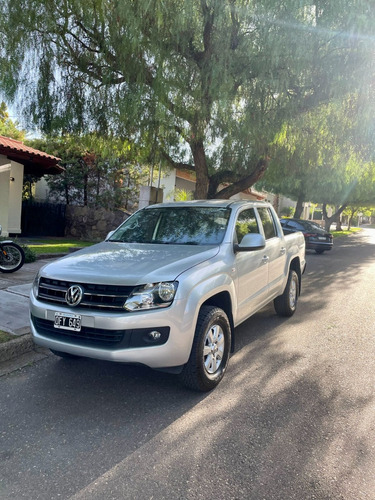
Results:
<point x="5" y="167"/>
<point x="15" y="198"/>
<point x="169" y="184"/>
<point x="41" y="190"/>
<point x="11" y="181"/>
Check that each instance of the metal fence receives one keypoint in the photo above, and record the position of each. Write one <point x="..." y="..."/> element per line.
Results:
<point x="42" y="219"/>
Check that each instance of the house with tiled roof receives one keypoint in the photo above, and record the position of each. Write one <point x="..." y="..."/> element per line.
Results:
<point x="16" y="160"/>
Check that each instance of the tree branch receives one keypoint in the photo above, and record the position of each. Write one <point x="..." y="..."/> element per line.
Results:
<point x="244" y="182"/>
<point x="175" y="164"/>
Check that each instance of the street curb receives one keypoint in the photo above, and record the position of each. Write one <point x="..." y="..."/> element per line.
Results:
<point x="16" y="347"/>
<point x="43" y="256"/>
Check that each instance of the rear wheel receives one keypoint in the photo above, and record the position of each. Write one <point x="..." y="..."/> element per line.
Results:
<point x="65" y="355"/>
<point x="286" y="304"/>
<point x="210" y="351"/>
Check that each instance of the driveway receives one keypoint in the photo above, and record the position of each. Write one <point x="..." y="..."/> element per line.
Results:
<point x="14" y="293"/>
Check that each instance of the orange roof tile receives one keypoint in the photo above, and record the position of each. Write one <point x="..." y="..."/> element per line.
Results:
<point x="18" y="146"/>
<point x="35" y="161"/>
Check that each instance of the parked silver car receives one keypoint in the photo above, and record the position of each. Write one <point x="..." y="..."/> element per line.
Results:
<point x="168" y="287"/>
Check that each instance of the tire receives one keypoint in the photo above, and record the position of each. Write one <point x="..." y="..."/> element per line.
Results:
<point x="286" y="304"/>
<point x="12" y="257"/>
<point x="319" y="251"/>
<point x="210" y="351"/>
<point x="65" y="355"/>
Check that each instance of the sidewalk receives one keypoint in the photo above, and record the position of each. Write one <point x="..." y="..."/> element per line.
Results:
<point x="14" y="309"/>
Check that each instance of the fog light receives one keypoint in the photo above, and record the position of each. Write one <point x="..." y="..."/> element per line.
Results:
<point x="154" y="335"/>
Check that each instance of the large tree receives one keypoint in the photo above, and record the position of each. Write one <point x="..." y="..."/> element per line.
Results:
<point x="207" y="82"/>
<point x="326" y="156"/>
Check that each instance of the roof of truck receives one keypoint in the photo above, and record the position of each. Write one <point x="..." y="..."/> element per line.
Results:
<point x="208" y="203"/>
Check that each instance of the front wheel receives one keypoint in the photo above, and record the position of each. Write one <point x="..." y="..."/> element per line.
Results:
<point x="286" y="304"/>
<point x="12" y="257"/>
<point x="210" y="351"/>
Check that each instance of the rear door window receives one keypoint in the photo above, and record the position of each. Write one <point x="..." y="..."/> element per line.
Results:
<point x="268" y="223"/>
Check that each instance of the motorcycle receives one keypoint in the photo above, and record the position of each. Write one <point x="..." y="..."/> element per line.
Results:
<point x="12" y="256"/>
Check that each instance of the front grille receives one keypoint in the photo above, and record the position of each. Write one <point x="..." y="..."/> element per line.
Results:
<point x="100" y="297"/>
<point x="98" y="337"/>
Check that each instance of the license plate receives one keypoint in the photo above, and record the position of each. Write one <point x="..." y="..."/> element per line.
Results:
<point x="322" y="238"/>
<point x="68" y="321"/>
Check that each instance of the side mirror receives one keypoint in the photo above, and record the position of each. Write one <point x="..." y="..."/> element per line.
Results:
<point x="251" y="241"/>
<point x="109" y="235"/>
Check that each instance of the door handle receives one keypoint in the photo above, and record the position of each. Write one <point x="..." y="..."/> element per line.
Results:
<point x="265" y="259"/>
<point x="282" y="251"/>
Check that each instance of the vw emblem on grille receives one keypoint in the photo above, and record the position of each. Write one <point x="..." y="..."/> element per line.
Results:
<point x="74" y="295"/>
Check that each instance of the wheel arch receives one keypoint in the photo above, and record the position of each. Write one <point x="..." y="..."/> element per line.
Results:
<point x="224" y="302"/>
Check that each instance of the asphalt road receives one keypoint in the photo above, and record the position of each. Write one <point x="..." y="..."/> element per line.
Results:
<point x="294" y="417"/>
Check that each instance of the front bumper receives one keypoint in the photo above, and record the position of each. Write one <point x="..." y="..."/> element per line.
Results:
<point x="125" y="335"/>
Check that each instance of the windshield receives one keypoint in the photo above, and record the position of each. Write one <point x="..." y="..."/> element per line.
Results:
<point x="175" y="225"/>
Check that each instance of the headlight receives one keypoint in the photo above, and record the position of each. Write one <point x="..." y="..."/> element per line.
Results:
<point x="151" y="296"/>
<point x="36" y="285"/>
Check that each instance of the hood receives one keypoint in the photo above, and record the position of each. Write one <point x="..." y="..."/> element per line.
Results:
<point x="128" y="263"/>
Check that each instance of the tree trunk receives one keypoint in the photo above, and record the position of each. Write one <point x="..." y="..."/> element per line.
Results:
<point x="328" y="220"/>
<point x="338" y="219"/>
<point x="199" y="155"/>
<point x="299" y="207"/>
<point x="243" y="183"/>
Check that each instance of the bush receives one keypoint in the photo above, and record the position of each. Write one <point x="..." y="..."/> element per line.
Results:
<point x="287" y="211"/>
<point x="30" y="255"/>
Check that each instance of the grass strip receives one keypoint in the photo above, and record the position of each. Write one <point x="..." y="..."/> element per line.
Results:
<point x="57" y="246"/>
<point x="345" y="232"/>
<point x="5" y="337"/>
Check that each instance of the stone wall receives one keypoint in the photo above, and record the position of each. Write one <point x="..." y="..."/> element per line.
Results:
<point x="93" y="224"/>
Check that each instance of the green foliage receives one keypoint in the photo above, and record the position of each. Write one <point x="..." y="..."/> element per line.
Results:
<point x="8" y="127"/>
<point x="287" y="211"/>
<point x="206" y="85"/>
<point x="323" y="157"/>
<point x="348" y="232"/>
<point x="30" y="255"/>
<point x="182" y="195"/>
<point x="50" y="246"/>
<point x="5" y="337"/>
<point x="99" y="171"/>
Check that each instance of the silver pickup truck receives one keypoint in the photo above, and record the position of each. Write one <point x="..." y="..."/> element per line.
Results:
<point x="168" y="287"/>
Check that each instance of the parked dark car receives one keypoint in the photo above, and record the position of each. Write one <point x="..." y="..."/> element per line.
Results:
<point x="316" y="237"/>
